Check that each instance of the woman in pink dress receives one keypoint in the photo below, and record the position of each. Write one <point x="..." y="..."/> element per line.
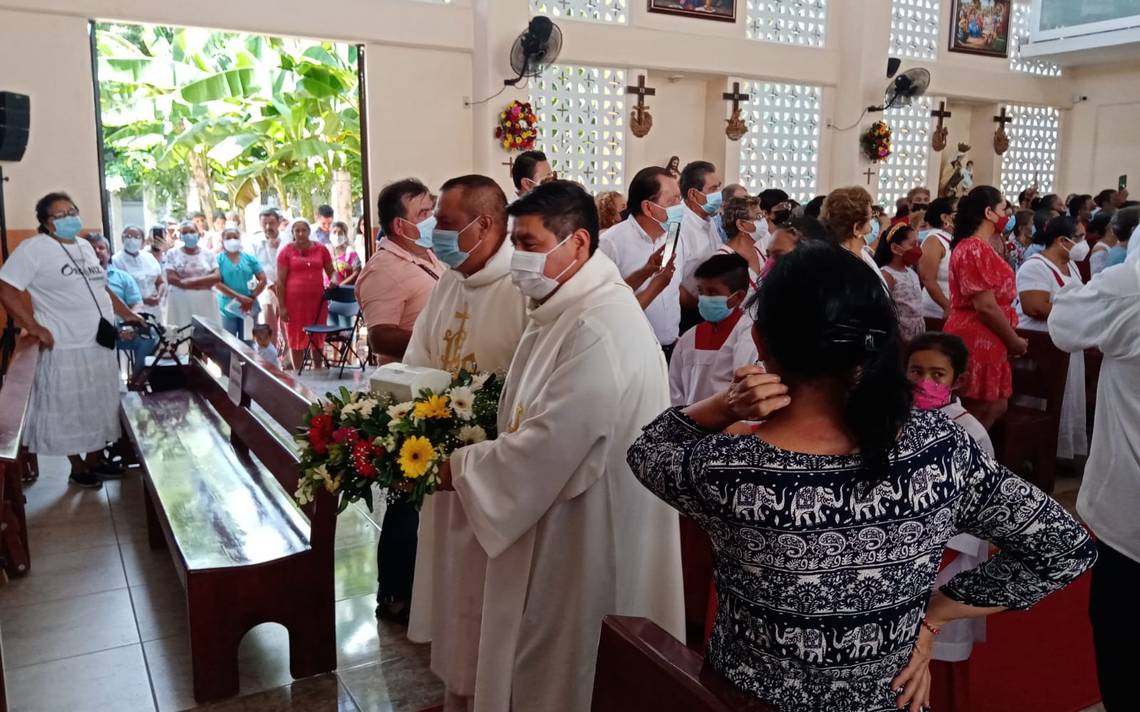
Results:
<point x="982" y="290"/>
<point x="302" y="267"/>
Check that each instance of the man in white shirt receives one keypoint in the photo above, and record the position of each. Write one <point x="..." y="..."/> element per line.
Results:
<point x="143" y="268"/>
<point x="530" y="170"/>
<point x="1105" y="314"/>
<point x="700" y="191"/>
<point x="635" y="245"/>
<point x="569" y="533"/>
<point x="266" y="245"/>
<point x="472" y="321"/>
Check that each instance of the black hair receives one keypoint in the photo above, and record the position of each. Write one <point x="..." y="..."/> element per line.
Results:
<point x="938" y="208"/>
<point x="1124" y="222"/>
<point x="564" y="206"/>
<point x="390" y="203"/>
<point x="342" y="225"/>
<point x="693" y="176"/>
<point x="1058" y="227"/>
<point x="1040" y="220"/>
<point x="972" y="211"/>
<point x="261" y="327"/>
<point x="270" y="212"/>
<point x="893" y="235"/>
<point x="902" y="211"/>
<point x="1099" y="223"/>
<point x="158" y="232"/>
<point x="1021" y="196"/>
<point x="1036" y="204"/>
<point x="219" y="215"/>
<point x="43" y="205"/>
<point x="1076" y="203"/>
<point x="646" y="184"/>
<point x="824" y="316"/>
<point x="325" y="211"/>
<point x="732" y="269"/>
<point x="949" y="345"/>
<point x="1103" y="197"/>
<point x="814" y="206"/>
<point x="524" y="166"/>
<point x="1047" y="200"/>
<point x="487" y="197"/>
<point x="772" y="197"/>
<point x="197" y="214"/>
<point x="807" y="228"/>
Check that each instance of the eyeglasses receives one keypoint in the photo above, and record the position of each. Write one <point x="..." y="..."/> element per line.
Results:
<point x="73" y="213"/>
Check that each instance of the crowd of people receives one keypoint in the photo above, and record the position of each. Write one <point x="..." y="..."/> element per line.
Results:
<point x="763" y="367"/>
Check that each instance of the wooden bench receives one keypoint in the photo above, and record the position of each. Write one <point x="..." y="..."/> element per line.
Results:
<point x="1027" y="433"/>
<point x="245" y="552"/>
<point x="15" y="462"/>
<point x="642" y="667"/>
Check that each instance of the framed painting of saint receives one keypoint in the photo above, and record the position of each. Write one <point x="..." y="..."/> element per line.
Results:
<point x="723" y="10"/>
<point x="981" y="27"/>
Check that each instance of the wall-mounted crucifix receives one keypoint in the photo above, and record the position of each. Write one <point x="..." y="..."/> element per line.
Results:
<point x="868" y="173"/>
<point x="1001" y="140"/>
<point x="640" y="120"/>
<point x="938" y="138"/>
<point x="736" y="127"/>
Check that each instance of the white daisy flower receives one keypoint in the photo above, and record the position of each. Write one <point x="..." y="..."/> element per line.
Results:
<point x="400" y="410"/>
<point x="478" y="380"/>
<point x="471" y="434"/>
<point x="462" y="402"/>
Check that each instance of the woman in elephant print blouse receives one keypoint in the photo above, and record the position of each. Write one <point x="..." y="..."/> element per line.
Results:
<point x="830" y="516"/>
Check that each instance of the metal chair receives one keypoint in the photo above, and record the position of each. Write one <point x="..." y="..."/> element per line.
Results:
<point x="342" y="302"/>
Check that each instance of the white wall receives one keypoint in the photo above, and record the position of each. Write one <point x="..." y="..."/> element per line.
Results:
<point x="678" y="120"/>
<point x="1101" y="135"/>
<point x="54" y="68"/>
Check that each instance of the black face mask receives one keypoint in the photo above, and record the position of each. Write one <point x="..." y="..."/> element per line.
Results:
<point x="779" y="217"/>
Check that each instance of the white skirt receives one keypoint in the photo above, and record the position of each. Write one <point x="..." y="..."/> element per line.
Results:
<point x="1072" y="437"/>
<point x="74" y="404"/>
<point x="182" y="305"/>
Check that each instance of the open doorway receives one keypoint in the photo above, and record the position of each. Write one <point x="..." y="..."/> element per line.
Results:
<point x="225" y="124"/>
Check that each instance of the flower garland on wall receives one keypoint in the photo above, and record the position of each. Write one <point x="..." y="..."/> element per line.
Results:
<point x="876" y="142"/>
<point x="518" y="127"/>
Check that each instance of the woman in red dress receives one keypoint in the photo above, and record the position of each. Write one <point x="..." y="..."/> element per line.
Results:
<point x="302" y="267"/>
<point x="982" y="290"/>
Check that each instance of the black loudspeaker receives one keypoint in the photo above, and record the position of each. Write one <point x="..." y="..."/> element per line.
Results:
<point x="892" y="66"/>
<point x="15" y="119"/>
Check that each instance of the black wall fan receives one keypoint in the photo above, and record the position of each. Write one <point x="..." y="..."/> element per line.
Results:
<point x="535" y="49"/>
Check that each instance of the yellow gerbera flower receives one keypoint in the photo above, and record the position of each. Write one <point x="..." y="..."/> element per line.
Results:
<point x="433" y="407"/>
<point x="416" y="455"/>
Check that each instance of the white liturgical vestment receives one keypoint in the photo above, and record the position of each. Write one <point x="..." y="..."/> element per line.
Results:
<point x="471" y="323"/>
<point x="570" y="534"/>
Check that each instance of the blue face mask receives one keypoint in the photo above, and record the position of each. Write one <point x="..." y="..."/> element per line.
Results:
<point x="713" y="202"/>
<point x="445" y="245"/>
<point x="713" y="309"/>
<point x="673" y="215"/>
<point x="66" y="228"/>
<point x="1032" y="231"/>
<point x="426" y="227"/>
<point x="874" y="234"/>
<point x="1010" y="224"/>
<point x="190" y="239"/>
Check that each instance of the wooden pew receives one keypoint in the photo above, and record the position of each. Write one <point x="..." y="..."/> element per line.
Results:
<point x="641" y="667"/>
<point x="245" y="552"/>
<point x="14" y="459"/>
<point x="1028" y="434"/>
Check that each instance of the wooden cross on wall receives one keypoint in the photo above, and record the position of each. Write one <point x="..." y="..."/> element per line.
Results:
<point x="868" y="173"/>
<point x="641" y="90"/>
<point x="941" y="113"/>
<point x="509" y="163"/>
<point x="735" y="97"/>
<point x="1002" y="119"/>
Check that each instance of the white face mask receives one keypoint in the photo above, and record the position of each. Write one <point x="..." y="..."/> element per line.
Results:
<point x="1079" y="251"/>
<point x="132" y="245"/>
<point x="528" y="272"/>
<point x="232" y="245"/>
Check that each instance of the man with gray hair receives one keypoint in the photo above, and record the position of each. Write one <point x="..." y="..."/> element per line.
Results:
<point x="730" y="191"/>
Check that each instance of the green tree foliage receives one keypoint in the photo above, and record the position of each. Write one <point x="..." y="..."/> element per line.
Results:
<point x="234" y="114"/>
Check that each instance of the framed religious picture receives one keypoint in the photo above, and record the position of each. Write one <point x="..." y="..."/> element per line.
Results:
<point x="723" y="10"/>
<point x="981" y="26"/>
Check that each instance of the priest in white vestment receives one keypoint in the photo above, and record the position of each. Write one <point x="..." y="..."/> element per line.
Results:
<point x="472" y="321"/>
<point x="570" y="534"/>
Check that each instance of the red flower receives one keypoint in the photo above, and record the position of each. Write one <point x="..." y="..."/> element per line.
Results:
<point x="320" y="432"/>
<point x="362" y="454"/>
<point x="345" y="434"/>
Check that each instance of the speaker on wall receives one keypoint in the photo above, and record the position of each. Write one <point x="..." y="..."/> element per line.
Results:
<point x="15" y="119"/>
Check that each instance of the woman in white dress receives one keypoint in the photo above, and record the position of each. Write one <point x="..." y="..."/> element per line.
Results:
<point x="934" y="266"/>
<point x="1038" y="281"/>
<point x="76" y="386"/>
<point x="191" y="271"/>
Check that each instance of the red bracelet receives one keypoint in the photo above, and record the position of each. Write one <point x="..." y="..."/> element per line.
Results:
<point x="932" y="629"/>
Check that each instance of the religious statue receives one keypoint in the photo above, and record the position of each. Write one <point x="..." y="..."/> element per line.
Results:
<point x="938" y="139"/>
<point x="1001" y="140"/>
<point x="736" y="127"/>
<point x="957" y="176"/>
<point x="640" y="121"/>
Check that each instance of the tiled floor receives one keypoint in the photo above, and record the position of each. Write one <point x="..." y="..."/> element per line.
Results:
<point x="100" y="622"/>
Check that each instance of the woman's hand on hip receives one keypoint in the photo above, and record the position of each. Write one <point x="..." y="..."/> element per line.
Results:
<point x="755" y="394"/>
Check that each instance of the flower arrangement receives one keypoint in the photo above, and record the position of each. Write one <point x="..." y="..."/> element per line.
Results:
<point x="518" y="127"/>
<point x="876" y="142"/>
<point x="359" y="439"/>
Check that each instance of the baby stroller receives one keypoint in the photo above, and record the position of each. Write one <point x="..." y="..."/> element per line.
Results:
<point x="163" y="369"/>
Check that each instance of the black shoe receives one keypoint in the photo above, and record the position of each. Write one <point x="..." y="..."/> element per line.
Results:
<point x="108" y="470"/>
<point x="394" y="611"/>
<point x="86" y="479"/>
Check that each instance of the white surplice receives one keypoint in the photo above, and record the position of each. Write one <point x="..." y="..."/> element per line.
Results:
<point x="570" y="534"/>
<point x="471" y="323"/>
<point x="706" y="358"/>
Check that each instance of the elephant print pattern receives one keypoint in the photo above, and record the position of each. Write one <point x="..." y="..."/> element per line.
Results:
<point x="823" y="580"/>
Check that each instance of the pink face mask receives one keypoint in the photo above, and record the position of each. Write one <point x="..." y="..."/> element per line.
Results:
<point x="929" y="395"/>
